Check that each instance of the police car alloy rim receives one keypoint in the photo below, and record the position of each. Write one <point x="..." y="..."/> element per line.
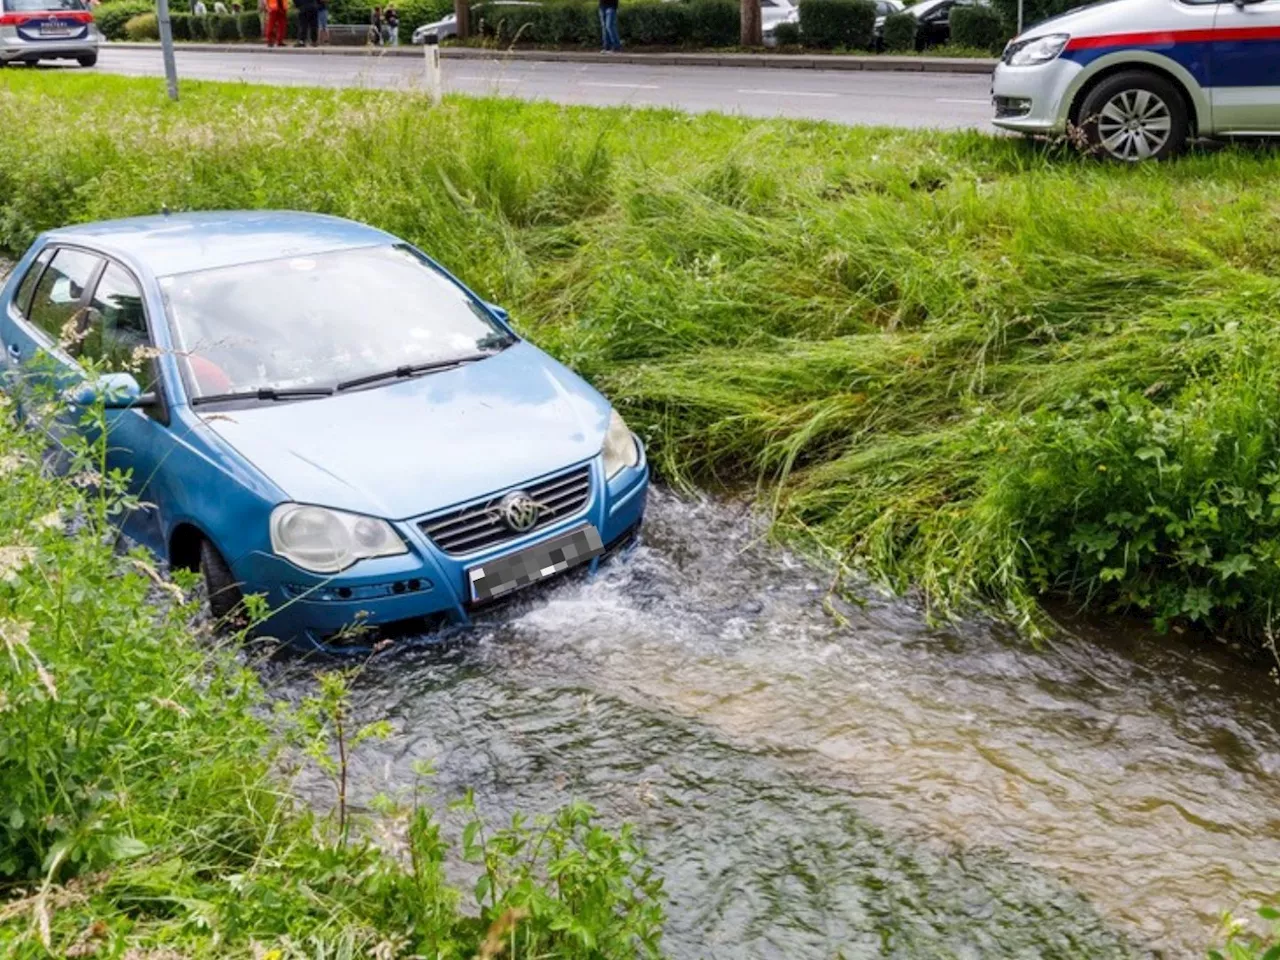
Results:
<point x="1134" y="125"/>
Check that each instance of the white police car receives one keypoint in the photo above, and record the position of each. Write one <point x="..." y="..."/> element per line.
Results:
<point x="1138" y="77"/>
<point x="35" y="30"/>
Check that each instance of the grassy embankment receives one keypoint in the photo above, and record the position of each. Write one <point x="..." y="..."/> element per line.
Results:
<point x="960" y="362"/>
<point x="957" y="362"/>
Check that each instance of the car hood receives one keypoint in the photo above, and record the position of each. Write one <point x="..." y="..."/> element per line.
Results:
<point x="408" y="448"/>
<point x="1096" y="18"/>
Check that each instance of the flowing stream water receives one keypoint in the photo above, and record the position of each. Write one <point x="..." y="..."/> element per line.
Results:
<point x="874" y="787"/>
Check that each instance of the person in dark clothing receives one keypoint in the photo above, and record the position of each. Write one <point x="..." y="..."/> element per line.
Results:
<point x="609" y="40"/>
<point x="375" y="26"/>
<point x="308" y="23"/>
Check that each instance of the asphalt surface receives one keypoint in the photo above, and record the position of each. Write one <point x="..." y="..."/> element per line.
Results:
<point x="939" y="100"/>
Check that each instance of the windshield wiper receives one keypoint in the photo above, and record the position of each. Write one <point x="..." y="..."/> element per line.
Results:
<point x="266" y="393"/>
<point x="411" y="370"/>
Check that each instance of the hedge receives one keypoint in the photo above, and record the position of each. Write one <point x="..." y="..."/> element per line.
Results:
<point x="704" y="23"/>
<point x="111" y="17"/>
<point x="838" y="23"/>
<point x="900" y="31"/>
<point x="250" y="26"/>
<point x="787" y="34"/>
<point x="142" y="27"/>
<point x="977" y="26"/>
<point x="180" y="25"/>
<point x="1033" y="11"/>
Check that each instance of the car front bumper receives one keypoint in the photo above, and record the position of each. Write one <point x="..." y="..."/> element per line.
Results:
<point x="332" y="612"/>
<point x="1034" y="99"/>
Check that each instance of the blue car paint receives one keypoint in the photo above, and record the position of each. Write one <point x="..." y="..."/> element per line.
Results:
<point x="400" y="452"/>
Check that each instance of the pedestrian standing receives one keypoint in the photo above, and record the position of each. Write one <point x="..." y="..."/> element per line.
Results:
<point x="199" y="9"/>
<point x="277" y="21"/>
<point x="322" y="14"/>
<point x="609" y="40"/>
<point x="220" y="8"/>
<point x="391" y="25"/>
<point x="375" y="26"/>
<point x="308" y="23"/>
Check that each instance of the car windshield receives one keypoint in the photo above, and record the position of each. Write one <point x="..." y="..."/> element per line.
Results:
<point x="41" y="6"/>
<point x="318" y="320"/>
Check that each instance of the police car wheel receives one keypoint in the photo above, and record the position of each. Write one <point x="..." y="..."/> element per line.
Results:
<point x="90" y="61"/>
<point x="1134" y="116"/>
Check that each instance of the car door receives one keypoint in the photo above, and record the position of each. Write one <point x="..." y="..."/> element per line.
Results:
<point x="1245" y="68"/>
<point x="118" y="339"/>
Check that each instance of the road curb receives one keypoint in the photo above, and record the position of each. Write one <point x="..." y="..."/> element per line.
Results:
<point x="785" y="61"/>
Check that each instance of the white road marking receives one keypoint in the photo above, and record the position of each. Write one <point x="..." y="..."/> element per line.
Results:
<point x="487" y="79"/>
<point x="622" y="86"/>
<point x="789" y="93"/>
<point x="985" y="103"/>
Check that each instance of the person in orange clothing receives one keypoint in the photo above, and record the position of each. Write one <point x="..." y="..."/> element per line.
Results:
<point x="277" y="22"/>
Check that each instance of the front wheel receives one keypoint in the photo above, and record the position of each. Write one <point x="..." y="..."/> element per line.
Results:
<point x="225" y="597"/>
<point x="90" y="60"/>
<point x="1134" y="116"/>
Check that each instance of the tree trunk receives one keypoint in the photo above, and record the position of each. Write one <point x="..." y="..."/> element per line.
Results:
<point x="462" y="11"/>
<point x="752" y="35"/>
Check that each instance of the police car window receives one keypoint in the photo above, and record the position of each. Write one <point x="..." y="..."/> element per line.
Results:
<point x="22" y="299"/>
<point x="117" y="321"/>
<point x="55" y="308"/>
<point x="42" y="6"/>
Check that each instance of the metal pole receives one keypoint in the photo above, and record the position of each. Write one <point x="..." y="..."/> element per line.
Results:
<point x="1019" y="16"/>
<point x="166" y="44"/>
<point x="431" y="52"/>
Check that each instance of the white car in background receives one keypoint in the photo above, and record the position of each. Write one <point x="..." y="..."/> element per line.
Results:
<point x="774" y="12"/>
<point x="1137" y="78"/>
<point x="446" y="28"/>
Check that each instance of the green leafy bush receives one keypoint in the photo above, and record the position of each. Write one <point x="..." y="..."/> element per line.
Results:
<point x="714" y="23"/>
<point x="198" y="27"/>
<point x="659" y="24"/>
<point x="223" y="28"/>
<point x="787" y="34"/>
<point x="413" y="14"/>
<point x="1033" y="11"/>
<point x="900" y="31"/>
<point x="838" y="23"/>
<point x="978" y="26"/>
<point x="142" y="27"/>
<point x="180" y="26"/>
<point x="112" y="17"/>
<point x="251" y="26"/>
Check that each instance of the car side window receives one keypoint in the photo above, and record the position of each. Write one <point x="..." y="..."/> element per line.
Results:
<point x="117" y="322"/>
<point x="22" y="299"/>
<point x="55" y="308"/>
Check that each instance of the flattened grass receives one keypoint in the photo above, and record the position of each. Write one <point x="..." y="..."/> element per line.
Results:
<point x="929" y="350"/>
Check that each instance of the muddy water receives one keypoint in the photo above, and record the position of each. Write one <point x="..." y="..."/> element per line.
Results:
<point x="877" y="786"/>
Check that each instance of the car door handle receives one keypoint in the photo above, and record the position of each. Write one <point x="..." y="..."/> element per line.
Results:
<point x="15" y="352"/>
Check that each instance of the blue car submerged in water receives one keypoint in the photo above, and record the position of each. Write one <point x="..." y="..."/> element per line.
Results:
<point x="313" y="410"/>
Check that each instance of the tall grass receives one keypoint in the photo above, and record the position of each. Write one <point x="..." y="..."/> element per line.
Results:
<point x="983" y="367"/>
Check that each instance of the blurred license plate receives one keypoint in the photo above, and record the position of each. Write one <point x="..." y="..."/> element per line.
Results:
<point x="53" y="30"/>
<point x="502" y="575"/>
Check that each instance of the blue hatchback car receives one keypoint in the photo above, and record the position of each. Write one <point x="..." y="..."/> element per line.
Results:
<point x="313" y="410"/>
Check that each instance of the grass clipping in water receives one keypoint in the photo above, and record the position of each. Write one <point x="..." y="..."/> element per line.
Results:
<point x="953" y="361"/>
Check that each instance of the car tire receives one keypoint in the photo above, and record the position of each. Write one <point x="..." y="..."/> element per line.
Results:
<point x="1135" y="115"/>
<point x="225" y="598"/>
<point x="90" y="61"/>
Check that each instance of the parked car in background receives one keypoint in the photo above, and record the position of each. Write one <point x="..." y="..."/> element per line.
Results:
<point x="774" y="12"/>
<point x="935" y="20"/>
<point x="35" y="30"/>
<point x="313" y="410"/>
<point x="1139" y="77"/>
<point x="447" y="27"/>
<point x="883" y="9"/>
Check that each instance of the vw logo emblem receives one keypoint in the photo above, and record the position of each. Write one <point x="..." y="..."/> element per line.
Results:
<point x="519" y="511"/>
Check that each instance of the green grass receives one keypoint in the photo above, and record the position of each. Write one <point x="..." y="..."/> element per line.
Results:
<point x="986" y="368"/>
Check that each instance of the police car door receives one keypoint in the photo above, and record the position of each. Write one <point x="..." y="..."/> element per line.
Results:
<point x="1245" y="67"/>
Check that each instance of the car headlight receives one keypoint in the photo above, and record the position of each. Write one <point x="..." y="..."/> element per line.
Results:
<point x="1028" y="53"/>
<point x="620" y="447"/>
<point x="326" y="541"/>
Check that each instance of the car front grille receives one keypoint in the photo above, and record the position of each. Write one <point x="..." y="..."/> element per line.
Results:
<point x="479" y="525"/>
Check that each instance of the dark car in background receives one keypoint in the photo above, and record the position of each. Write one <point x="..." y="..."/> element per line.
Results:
<point x="935" y="21"/>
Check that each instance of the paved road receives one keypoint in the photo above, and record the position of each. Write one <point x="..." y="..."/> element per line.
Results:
<point x="896" y="99"/>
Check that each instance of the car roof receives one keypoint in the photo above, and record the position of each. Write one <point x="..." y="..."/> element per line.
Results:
<point x="184" y="242"/>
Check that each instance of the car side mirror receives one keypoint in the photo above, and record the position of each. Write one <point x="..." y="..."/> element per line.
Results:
<point x="504" y="317"/>
<point x="115" y="391"/>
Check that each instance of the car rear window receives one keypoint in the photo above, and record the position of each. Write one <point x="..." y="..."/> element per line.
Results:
<point x="22" y="300"/>
<point x="58" y="295"/>
<point x="40" y="6"/>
